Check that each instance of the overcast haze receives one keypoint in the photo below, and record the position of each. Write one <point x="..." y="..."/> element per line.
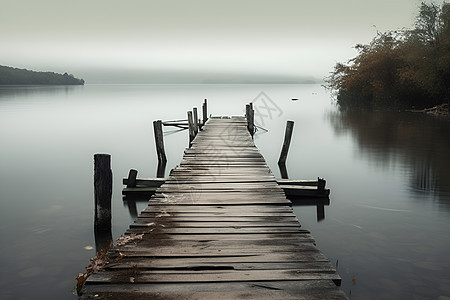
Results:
<point x="207" y="39"/>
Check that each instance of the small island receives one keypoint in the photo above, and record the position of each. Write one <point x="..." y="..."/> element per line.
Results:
<point x="12" y="76"/>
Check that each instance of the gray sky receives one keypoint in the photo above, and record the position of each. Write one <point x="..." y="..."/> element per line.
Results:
<point x="275" y="37"/>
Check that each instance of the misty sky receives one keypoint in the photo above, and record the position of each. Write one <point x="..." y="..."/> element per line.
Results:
<point x="273" y="37"/>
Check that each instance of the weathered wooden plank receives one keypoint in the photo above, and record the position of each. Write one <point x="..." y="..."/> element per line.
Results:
<point x="212" y="224"/>
<point x="189" y="212"/>
<point x="227" y="209"/>
<point x="209" y="218"/>
<point x="272" y="257"/>
<point x="219" y="226"/>
<point x="177" y="251"/>
<point x="241" y="236"/>
<point x="235" y="230"/>
<point x="209" y="276"/>
<point x="174" y="264"/>
<point x="200" y="200"/>
<point x="217" y="246"/>
<point x="281" y="290"/>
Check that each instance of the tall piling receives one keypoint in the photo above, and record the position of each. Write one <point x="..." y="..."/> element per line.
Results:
<point x="159" y="141"/>
<point x="195" y="119"/>
<point x="102" y="200"/>
<point x="286" y="143"/>
<point x="191" y="128"/>
<point x="205" y="111"/>
<point x="250" y="115"/>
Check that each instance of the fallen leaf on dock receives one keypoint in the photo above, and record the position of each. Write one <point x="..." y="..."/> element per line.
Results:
<point x="123" y="240"/>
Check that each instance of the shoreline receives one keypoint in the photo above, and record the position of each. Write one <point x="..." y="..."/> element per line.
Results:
<point x="441" y="110"/>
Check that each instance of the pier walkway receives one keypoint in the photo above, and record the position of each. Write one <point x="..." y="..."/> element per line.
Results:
<point x="220" y="227"/>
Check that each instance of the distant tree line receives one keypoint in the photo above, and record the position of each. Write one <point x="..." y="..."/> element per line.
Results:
<point x="401" y="68"/>
<point x="10" y="75"/>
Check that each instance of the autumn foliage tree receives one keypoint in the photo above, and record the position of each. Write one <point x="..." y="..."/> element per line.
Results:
<point x="399" y="69"/>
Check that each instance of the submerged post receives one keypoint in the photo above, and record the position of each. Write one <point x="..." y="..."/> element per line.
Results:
<point x="102" y="192"/>
<point x="205" y="111"/>
<point x="159" y="141"/>
<point x="287" y="142"/>
<point x="195" y="120"/>
<point x="191" y="128"/>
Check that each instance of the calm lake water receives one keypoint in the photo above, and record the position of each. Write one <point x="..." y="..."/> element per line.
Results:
<point x="387" y="229"/>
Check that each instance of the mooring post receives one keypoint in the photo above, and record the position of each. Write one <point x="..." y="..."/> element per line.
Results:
<point x="159" y="141"/>
<point x="249" y="113"/>
<point x="131" y="181"/>
<point x="321" y="184"/>
<point x="283" y="171"/>
<point x="205" y="111"/>
<point x="287" y="142"/>
<point x="102" y="192"/>
<point x="195" y="120"/>
<point x="191" y="128"/>
<point x="320" y="212"/>
<point x="252" y="120"/>
<point x="161" y="170"/>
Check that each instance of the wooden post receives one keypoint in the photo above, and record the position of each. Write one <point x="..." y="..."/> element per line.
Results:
<point x="195" y="120"/>
<point x="159" y="141"/>
<point x="131" y="183"/>
<point x="252" y="120"/>
<point x="191" y="128"/>
<point x="250" y="115"/>
<point x="283" y="171"/>
<point x="321" y="184"/>
<point x="287" y="142"/>
<point x="320" y="212"/>
<point x="102" y="192"/>
<point x="205" y="111"/>
<point x="161" y="170"/>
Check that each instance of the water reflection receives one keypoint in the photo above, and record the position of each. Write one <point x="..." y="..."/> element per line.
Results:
<point x="420" y="142"/>
<point x="304" y="201"/>
<point x="12" y="91"/>
<point x="130" y="202"/>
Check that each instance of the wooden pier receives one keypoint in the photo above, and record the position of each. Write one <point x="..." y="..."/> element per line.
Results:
<point x="219" y="227"/>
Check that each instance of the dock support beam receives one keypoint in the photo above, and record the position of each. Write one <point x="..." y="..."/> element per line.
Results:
<point x="195" y="120"/>
<point x="159" y="141"/>
<point x="250" y="114"/>
<point x="286" y="143"/>
<point x="205" y="111"/>
<point x="191" y="128"/>
<point x="102" y="190"/>
<point x="102" y="200"/>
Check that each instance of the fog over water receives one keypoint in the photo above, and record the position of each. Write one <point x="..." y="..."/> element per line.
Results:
<point x="192" y="41"/>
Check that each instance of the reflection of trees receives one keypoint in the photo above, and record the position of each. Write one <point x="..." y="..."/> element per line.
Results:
<point x="420" y="141"/>
<point x="13" y="91"/>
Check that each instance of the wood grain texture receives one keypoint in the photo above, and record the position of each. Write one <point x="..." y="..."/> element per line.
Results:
<point x="219" y="227"/>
